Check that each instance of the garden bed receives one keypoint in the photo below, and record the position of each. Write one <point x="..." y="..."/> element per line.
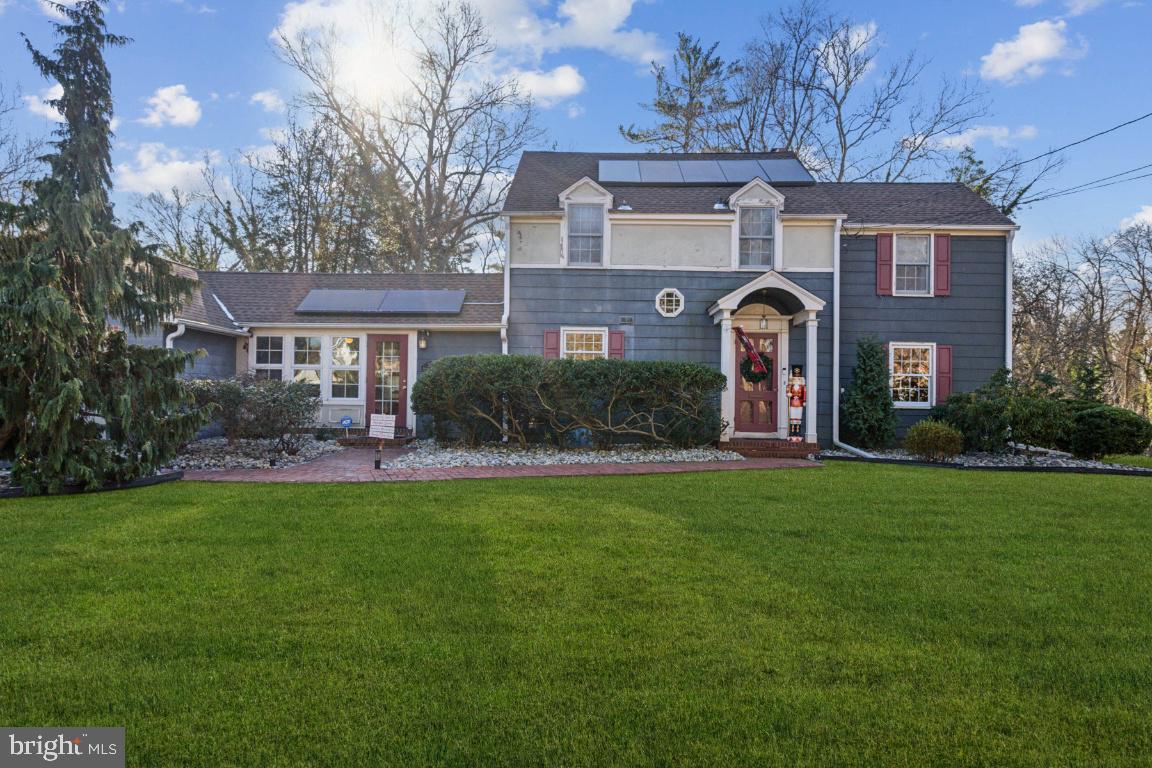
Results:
<point x="217" y="453"/>
<point x="1055" y="462"/>
<point x="427" y="454"/>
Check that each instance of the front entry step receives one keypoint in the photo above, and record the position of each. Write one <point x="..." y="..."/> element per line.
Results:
<point x="756" y="448"/>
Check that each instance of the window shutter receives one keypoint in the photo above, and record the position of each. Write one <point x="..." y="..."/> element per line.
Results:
<point x="616" y="345"/>
<point x="884" y="264"/>
<point x="551" y="344"/>
<point x="943" y="372"/>
<point x="942" y="283"/>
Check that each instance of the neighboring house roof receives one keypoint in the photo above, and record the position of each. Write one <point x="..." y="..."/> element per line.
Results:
<point x="272" y="298"/>
<point x="542" y="176"/>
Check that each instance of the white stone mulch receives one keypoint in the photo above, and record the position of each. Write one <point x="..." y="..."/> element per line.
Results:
<point x="216" y="453"/>
<point x="1002" y="460"/>
<point x="426" y="454"/>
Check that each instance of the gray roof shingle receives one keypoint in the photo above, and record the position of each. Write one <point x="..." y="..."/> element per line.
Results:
<point x="271" y="298"/>
<point x="542" y="176"/>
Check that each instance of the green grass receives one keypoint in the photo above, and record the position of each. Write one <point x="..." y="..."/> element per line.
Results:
<point x="856" y="615"/>
<point x="1133" y="460"/>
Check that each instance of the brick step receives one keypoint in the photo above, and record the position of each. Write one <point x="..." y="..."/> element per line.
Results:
<point x="363" y="441"/>
<point x="770" y="449"/>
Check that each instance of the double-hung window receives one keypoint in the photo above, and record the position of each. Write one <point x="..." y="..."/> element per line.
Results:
<point x="757" y="236"/>
<point x="912" y="265"/>
<point x="345" y="363"/>
<point x="269" y="363"/>
<point x="584" y="343"/>
<point x="910" y="366"/>
<point x="585" y="234"/>
<point x="306" y="359"/>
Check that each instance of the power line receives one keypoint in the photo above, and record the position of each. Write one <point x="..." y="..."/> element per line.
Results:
<point x="1066" y="146"/>
<point x="1090" y="185"/>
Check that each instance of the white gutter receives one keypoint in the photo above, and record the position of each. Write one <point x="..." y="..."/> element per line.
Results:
<point x="1008" y="302"/>
<point x="170" y="338"/>
<point x="836" y="349"/>
<point x="507" y="281"/>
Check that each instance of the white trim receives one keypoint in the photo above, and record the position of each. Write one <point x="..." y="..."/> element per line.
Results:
<point x="695" y="219"/>
<point x="382" y="327"/>
<point x="1008" y="302"/>
<point x="933" y="227"/>
<point x="507" y="279"/>
<point x="413" y="371"/>
<point x="565" y="330"/>
<point x="207" y="328"/>
<point x="810" y="375"/>
<point x="678" y="294"/>
<point x="836" y="335"/>
<point x="806" y="269"/>
<point x="931" y="267"/>
<point x="905" y="406"/>
<point x="224" y="308"/>
<point x="772" y="279"/>
<point x="728" y="366"/>
<point x="602" y="198"/>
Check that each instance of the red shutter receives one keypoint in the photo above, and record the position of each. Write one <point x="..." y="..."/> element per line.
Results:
<point x="942" y="284"/>
<point x="943" y="372"/>
<point x="551" y="344"/>
<point x="616" y="345"/>
<point x="884" y="265"/>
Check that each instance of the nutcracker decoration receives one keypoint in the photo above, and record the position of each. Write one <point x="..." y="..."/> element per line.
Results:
<point x="797" y="398"/>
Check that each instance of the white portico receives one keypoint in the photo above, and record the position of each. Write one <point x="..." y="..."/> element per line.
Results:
<point x="766" y="308"/>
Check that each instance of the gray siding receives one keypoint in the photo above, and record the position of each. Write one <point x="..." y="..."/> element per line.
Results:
<point x="543" y="299"/>
<point x="448" y="343"/>
<point x="220" y="361"/>
<point x="971" y="319"/>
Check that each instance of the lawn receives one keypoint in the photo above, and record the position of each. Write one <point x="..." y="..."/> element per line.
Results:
<point x="1135" y="460"/>
<point x="855" y="615"/>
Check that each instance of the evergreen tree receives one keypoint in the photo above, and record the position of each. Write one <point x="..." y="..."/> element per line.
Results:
<point x="866" y="413"/>
<point x="77" y="402"/>
<point x="692" y="101"/>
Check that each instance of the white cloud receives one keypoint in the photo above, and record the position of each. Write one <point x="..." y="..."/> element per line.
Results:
<point x="1028" y="3"/>
<point x="376" y="37"/>
<point x="49" y="8"/>
<point x="1079" y="7"/>
<point x="1027" y="56"/>
<point x="172" y="105"/>
<point x="999" y="135"/>
<point x="1143" y="216"/>
<point x="4" y="5"/>
<point x="270" y="100"/>
<point x="548" y="88"/>
<point x="38" y="105"/>
<point x="158" y="168"/>
<point x="574" y="111"/>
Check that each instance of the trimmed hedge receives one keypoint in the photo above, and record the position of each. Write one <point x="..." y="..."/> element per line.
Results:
<point x="261" y="409"/>
<point x="933" y="441"/>
<point x="1105" y="429"/>
<point x="529" y="399"/>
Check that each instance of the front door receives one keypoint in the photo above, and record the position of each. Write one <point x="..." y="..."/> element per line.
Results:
<point x="388" y="376"/>
<point x="756" y="403"/>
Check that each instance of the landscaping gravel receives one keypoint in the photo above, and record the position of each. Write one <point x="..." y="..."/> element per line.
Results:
<point x="1000" y="460"/>
<point x="216" y="453"/>
<point x="426" y="454"/>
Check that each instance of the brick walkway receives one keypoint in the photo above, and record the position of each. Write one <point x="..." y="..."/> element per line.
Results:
<point x="354" y="465"/>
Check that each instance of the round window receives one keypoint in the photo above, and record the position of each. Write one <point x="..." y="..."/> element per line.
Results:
<point x="669" y="302"/>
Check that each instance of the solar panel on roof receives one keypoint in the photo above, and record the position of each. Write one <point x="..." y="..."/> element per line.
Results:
<point x="660" y="172"/>
<point x="785" y="170"/>
<point x="741" y="171"/>
<point x="619" y="170"/>
<point x="701" y="172"/>
<point x="335" y="300"/>
<point x="381" y="302"/>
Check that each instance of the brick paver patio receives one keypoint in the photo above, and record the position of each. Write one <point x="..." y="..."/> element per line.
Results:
<point x="354" y="465"/>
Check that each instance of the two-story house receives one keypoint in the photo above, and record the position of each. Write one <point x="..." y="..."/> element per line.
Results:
<point x="648" y="257"/>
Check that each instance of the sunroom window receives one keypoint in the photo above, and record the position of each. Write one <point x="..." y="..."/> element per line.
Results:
<point x="269" y="362"/>
<point x="306" y="360"/>
<point x="345" y="364"/>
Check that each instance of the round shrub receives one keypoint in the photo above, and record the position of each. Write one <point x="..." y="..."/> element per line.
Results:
<point x="1105" y="429"/>
<point x="933" y="441"/>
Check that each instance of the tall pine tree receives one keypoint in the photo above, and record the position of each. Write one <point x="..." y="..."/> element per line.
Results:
<point x="78" y="403"/>
<point x="692" y="101"/>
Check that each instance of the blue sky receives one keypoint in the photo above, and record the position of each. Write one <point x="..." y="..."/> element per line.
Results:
<point x="202" y="80"/>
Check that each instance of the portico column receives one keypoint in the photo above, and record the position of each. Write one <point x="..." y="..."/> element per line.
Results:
<point x="728" y="366"/>
<point x="810" y="370"/>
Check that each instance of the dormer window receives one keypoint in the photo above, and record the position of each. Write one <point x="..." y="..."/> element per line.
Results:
<point x="585" y="234"/>
<point x="757" y="230"/>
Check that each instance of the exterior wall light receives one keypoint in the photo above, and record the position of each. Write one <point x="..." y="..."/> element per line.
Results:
<point x="422" y="339"/>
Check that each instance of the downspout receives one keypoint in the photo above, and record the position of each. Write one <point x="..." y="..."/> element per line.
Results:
<point x="1008" y="288"/>
<point x="170" y="338"/>
<point x="507" y="282"/>
<point x="836" y="349"/>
